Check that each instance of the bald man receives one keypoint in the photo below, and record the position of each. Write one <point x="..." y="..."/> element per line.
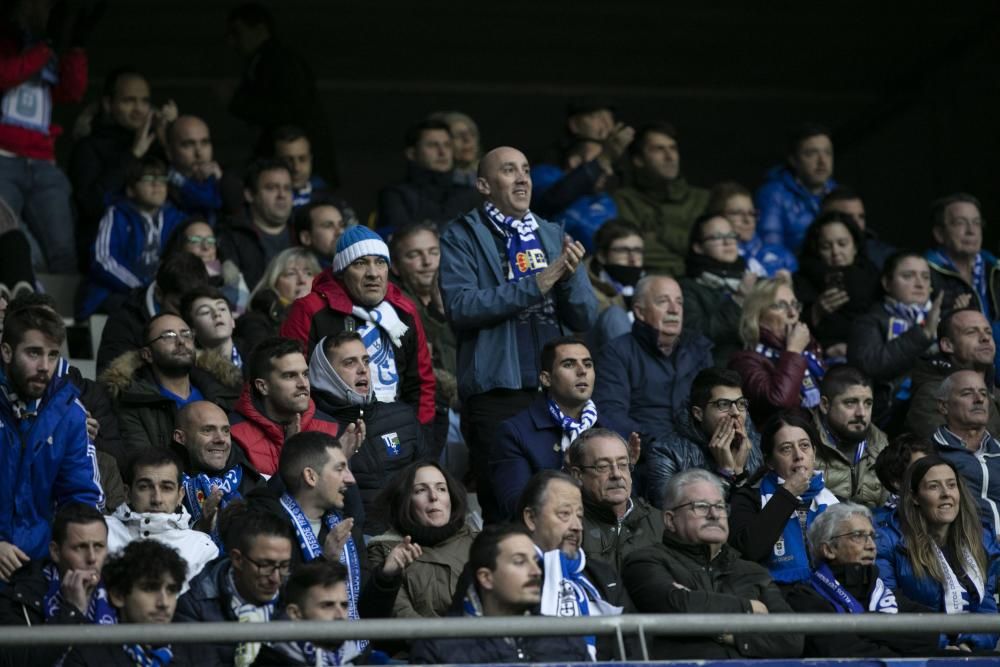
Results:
<point x="215" y="472"/>
<point x="510" y="282"/>
<point x="194" y="175"/>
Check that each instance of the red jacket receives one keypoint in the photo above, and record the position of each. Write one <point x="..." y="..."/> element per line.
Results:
<point x="324" y="311"/>
<point x="18" y="65"/>
<point x="262" y="439"/>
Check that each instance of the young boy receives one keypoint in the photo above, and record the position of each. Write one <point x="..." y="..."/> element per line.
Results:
<point x="131" y="237"/>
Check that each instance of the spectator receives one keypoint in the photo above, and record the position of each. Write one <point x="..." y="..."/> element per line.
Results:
<point x="646" y="375"/>
<point x="937" y="515"/>
<point x="892" y="336"/>
<point x="39" y="67"/>
<point x="617" y="265"/>
<point x="340" y="379"/>
<point x="551" y="508"/>
<point x="767" y="260"/>
<point x="355" y="294"/>
<point x="243" y="586"/>
<point x="614" y="523"/>
<point x="196" y="236"/>
<point x="770" y="519"/>
<point x="790" y="199"/>
<point x="966" y="342"/>
<point x="836" y="282"/>
<point x="277" y="88"/>
<point x="464" y="142"/>
<point x="266" y="231"/>
<point x="155" y="510"/>
<point x="847" y="202"/>
<point x="64" y="588"/>
<point x="712" y="433"/>
<point x="275" y="403"/>
<point x="178" y="274"/>
<point x="149" y="385"/>
<point x="959" y="265"/>
<point x="131" y="238"/>
<point x="781" y="366"/>
<point x="216" y="474"/>
<point x="849" y="441"/>
<point x="660" y="202"/>
<point x="194" y="176"/>
<point x="430" y="191"/>
<point x="38" y="402"/>
<point x="288" y="277"/>
<point x="425" y="503"/>
<point x="672" y="577"/>
<point x="846" y="579"/>
<point x="318" y="226"/>
<point x="539" y="437"/>
<point x="891" y="465"/>
<point x="293" y="147"/>
<point x="505" y="581"/>
<point x="716" y="283"/>
<point x="210" y="317"/>
<point x="503" y="312"/>
<point x="965" y="441"/>
<point x="416" y="263"/>
<point x="143" y="583"/>
<point x="314" y="592"/>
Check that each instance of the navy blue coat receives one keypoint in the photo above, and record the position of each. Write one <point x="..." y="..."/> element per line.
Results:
<point x="981" y="473"/>
<point x="484" y="650"/>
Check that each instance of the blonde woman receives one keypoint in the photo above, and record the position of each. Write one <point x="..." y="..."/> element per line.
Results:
<point x="288" y="277"/>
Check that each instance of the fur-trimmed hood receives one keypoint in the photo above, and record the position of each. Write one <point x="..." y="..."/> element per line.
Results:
<point x="129" y="367"/>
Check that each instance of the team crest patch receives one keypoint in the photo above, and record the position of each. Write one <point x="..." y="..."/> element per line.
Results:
<point x="531" y="259"/>
<point x="392" y="444"/>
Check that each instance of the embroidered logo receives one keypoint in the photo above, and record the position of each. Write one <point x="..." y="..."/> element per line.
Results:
<point x="393" y="445"/>
<point x="779" y="547"/>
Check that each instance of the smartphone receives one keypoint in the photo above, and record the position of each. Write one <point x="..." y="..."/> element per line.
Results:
<point x="835" y="280"/>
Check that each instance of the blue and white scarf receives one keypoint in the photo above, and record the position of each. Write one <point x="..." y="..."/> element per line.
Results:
<point x="525" y="255"/>
<point x="789" y="559"/>
<point x="198" y="488"/>
<point x="235" y="357"/>
<point x="566" y="591"/>
<point x="979" y="282"/>
<point x="311" y="550"/>
<point x="810" y="379"/>
<point x="902" y="318"/>
<point x="383" y="318"/>
<point x="149" y="657"/>
<point x="100" y="610"/>
<point x="306" y="653"/>
<point x="29" y="104"/>
<point x="958" y="600"/>
<point x="882" y="599"/>
<point x="247" y="612"/>
<point x="571" y="428"/>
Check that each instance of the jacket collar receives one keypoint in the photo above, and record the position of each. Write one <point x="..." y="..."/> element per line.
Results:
<point x="331" y="289"/>
<point x="247" y="407"/>
<point x="153" y="522"/>
<point x="604" y="514"/>
<point x="698" y="552"/>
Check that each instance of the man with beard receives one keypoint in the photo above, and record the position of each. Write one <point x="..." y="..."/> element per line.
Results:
<point x="966" y="441"/>
<point x="216" y="473"/>
<point x="551" y="508"/>
<point x="850" y="441"/>
<point x="151" y="384"/>
<point x="38" y="402"/>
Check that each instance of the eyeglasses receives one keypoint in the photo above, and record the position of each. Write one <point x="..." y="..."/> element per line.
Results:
<point x="172" y="336"/>
<point x="786" y="305"/>
<point x="701" y="508"/>
<point x="604" y="467"/>
<point x="152" y="178"/>
<point x="726" y="404"/>
<point x="201" y="240"/>
<point x="269" y="568"/>
<point x="857" y="536"/>
<point x="730" y="236"/>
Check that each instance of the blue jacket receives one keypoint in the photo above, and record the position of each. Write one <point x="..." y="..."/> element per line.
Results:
<point x="770" y="256"/>
<point x="481" y="304"/>
<point x="576" y="205"/>
<point x="639" y="389"/>
<point x="980" y="472"/>
<point x="896" y="571"/>
<point x="196" y="197"/>
<point x="45" y="463"/>
<point x="787" y="208"/>
<point x="118" y="252"/>
<point x="207" y="601"/>
<point x="526" y="443"/>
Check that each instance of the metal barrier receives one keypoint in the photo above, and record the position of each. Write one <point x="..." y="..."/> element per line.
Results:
<point x="507" y="626"/>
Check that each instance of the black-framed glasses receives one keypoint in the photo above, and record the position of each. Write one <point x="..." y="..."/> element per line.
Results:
<point x="701" y="508"/>
<point x="857" y="536"/>
<point x="172" y="336"/>
<point x="604" y="467"/>
<point x="726" y="404"/>
<point x="268" y="568"/>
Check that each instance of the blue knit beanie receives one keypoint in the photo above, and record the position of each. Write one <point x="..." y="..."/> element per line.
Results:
<point x="358" y="241"/>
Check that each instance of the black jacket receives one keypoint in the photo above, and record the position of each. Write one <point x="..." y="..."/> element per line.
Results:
<point x="123" y="330"/>
<point x="239" y="241"/>
<point x="394" y="439"/>
<point x="860" y="280"/>
<point x="609" y="541"/>
<point x="474" y="650"/>
<point x="261" y="320"/>
<point x="98" y="403"/>
<point x="425" y="196"/>
<point x="112" y="655"/>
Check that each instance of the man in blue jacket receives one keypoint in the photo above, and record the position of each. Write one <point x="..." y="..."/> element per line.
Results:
<point x="510" y="283"/>
<point x="46" y="457"/>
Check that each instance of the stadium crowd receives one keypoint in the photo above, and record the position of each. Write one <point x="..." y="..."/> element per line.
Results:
<point x="583" y="387"/>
